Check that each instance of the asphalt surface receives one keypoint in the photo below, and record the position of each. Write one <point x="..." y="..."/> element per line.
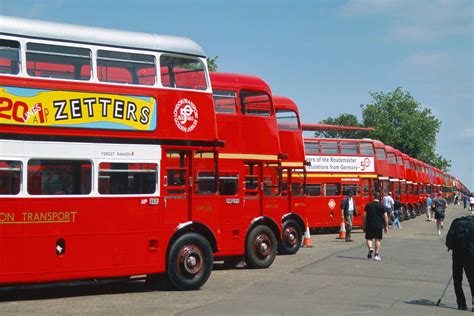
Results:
<point x="332" y="278"/>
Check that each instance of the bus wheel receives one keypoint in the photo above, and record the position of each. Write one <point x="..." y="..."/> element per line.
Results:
<point x="260" y="250"/>
<point x="189" y="262"/>
<point x="413" y="212"/>
<point x="406" y="213"/>
<point x="291" y="238"/>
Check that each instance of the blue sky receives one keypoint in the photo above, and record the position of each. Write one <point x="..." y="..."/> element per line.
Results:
<point x="325" y="55"/>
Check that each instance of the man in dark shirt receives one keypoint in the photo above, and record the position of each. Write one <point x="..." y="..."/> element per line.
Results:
<point x="375" y="222"/>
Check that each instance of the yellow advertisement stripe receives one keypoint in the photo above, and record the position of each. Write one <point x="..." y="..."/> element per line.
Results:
<point x="35" y="107"/>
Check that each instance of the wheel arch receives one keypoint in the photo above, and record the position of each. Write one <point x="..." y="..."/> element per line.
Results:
<point x="297" y="218"/>
<point x="193" y="227"/>
<point x="267" y="221"/>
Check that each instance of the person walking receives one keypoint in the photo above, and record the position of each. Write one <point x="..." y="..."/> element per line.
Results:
<point x="388" y="203"/>
<point x="440" y="205"/>
<point x="460" y="239"/>
<point x="465" y="198"/>
<point x="471" y="204"/>
<point x="433" y="197"/>
<point x="429" y="203"/>
<point x="348" y="208"/>
<point x="396" y="213"/>
<point x="374" y="224"/>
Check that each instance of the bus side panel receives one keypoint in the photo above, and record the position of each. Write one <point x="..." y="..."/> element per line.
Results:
<point x="75" y="238"/>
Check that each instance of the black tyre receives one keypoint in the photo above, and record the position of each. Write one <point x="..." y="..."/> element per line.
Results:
<point x="291" y="238"/>
<point x="412" y="212"/>
<point x="260" y="247"/>
<point x="189" y="262"/>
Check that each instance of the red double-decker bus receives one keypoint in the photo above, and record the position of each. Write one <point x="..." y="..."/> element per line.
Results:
<point x="247" y="123"/>
<point x="108" y="156"/>
<point x="336" y="166"/>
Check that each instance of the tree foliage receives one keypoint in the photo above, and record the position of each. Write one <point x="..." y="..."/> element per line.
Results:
<point x="399" y="121"/>
<point x="212" y="63"/>
<point x="345" y="119"/>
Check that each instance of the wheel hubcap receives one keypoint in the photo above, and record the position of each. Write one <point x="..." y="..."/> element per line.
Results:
<point x="290" y="236"/>
<point x="190" y="260"/>
<point x="263" y="246"/>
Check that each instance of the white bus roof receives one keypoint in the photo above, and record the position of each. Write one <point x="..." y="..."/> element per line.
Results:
<point x="99" y="36"/>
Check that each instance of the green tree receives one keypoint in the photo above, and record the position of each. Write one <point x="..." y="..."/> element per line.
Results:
<point x="400" y="121"/>
<point x="345" y="119"/>
<point x="212" y="63"/>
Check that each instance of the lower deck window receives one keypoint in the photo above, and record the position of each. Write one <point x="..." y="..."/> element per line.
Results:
<point x="332" y="189"/>
<point x="313" y="189"/>
<point x="128" y="178"/>
<point x="350" y="187"/>
<point x="228" y="183"/>
<point x="57" y="177"/>
<point x="10" y="177"/>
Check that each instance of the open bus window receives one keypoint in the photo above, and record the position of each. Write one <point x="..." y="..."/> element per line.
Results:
<point x="62" y="62"/>
<point x="313" y="189"/>
<point x="351" y="187"/>
<point x="349" y="148"/>
<point x="332" y="189"/>
<point x="252" y="179"/>
<point x="182" y="72"/>
<point x="228" y="183"/>
<point x="225" y="101"/>
<point x="121" y="67"/>
<point x="298" y="180"/>
<point x="329" y="148"/>
<point x="287" y="120"/>
<point x="10" y="177"/>
<point x="311" y="148"/>
<point x="9" y="57"/>
<point x="58" y="177"/>
<point x="205" y="182"/>
<point x="256" y="103"/>
<point x="127" y="178"/>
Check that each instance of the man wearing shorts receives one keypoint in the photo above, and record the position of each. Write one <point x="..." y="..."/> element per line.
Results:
<point x="440" y="205"/>
<point x="374" y="224"/>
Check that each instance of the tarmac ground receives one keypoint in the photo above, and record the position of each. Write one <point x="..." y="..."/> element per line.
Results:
<point x="332" y="278"/>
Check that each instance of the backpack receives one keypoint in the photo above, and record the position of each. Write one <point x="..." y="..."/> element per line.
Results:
<point x="461" y="234"/>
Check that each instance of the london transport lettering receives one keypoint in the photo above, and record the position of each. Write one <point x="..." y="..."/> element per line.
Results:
<point x="37" y="217"/>
<point x="185" y="115"/>
<point x="340" y="164"/>
<point x="36" y="107"/>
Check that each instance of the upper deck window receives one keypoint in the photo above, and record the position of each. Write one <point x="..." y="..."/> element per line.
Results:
<point x="256" y="103"/>
<point x="9" y="57"/>
<point x="54" y="61"/>
<point x="399" y="161"/>
<point x="287" y="120"/>
<point x="311" y="148"/>
<point x="407" y="164"/>
<point x="329" y="148"/>
<point x="392" y="159"/>
<point x="381" y="154"/>
<point x="349" y="148"/>
<point x="367" y="149"/>
<point x="182" y="72"/>
<point x="120" y="67"/>
<point x="225" y="101"/>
